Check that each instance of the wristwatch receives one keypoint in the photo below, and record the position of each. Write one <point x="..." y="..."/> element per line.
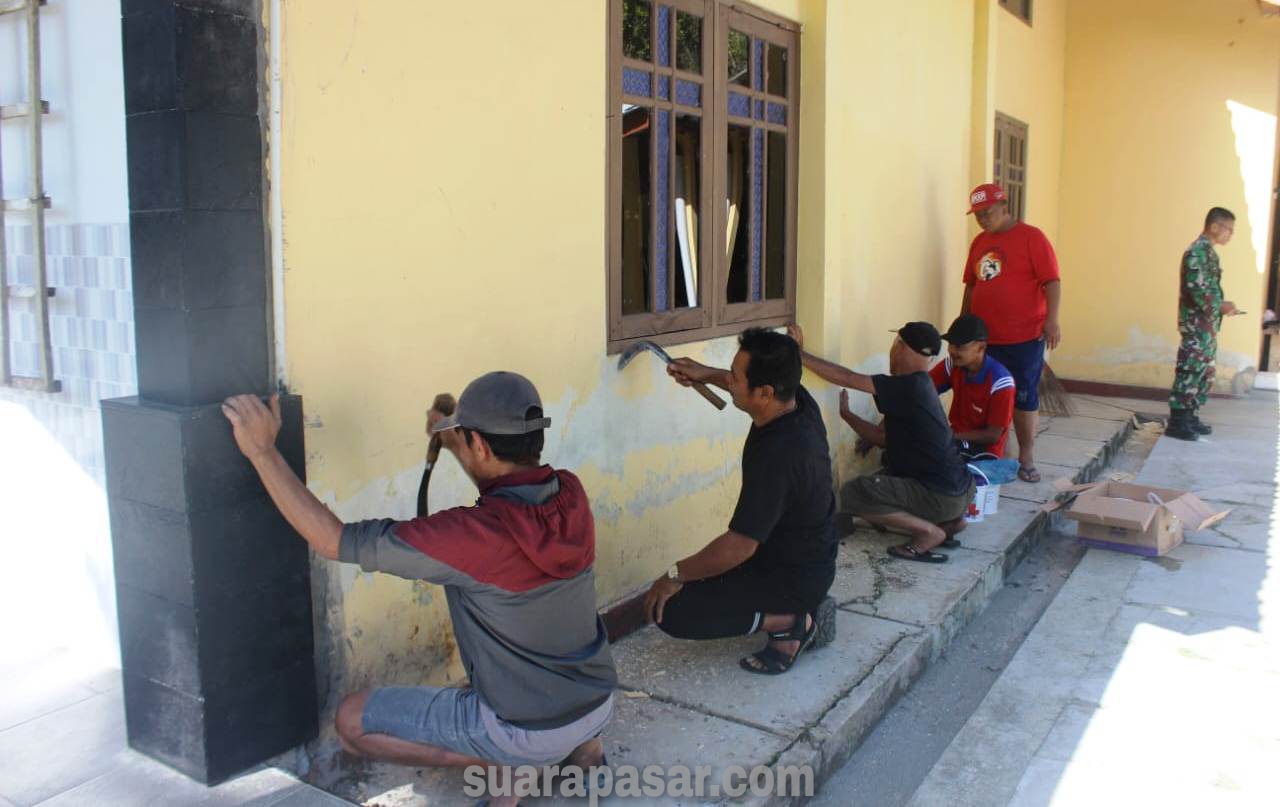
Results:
<point x="673" y="574"/>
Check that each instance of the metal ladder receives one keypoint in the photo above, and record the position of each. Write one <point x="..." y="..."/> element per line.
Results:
<point x="35" y="203"/>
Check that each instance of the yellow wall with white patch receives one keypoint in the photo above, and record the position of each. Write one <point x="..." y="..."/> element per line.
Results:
<point x="443" y="187"/>
<point x="1170" y="110"/>
<point x="443" y="184"/>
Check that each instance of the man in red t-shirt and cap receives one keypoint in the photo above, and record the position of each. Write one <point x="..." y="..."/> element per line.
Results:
<point x="1011" y="281"/>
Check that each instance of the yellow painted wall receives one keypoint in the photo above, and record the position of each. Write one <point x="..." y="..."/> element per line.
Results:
<point x="443" y="188"/>
<point x="1170" y="110"/>
<point x="1028" y="63"/>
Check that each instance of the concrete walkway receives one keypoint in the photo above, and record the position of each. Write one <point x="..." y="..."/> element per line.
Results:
<point x="686" y="703"/>
<point x="62" y="744"/>
<point x="1150" y="681"/>
<point x="62" y="724"/>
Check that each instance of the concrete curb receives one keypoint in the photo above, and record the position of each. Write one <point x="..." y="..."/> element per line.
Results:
<point x="829" y="744"/>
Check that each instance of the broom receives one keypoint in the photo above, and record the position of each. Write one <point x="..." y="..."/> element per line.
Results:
<point x="1055" y="401"/>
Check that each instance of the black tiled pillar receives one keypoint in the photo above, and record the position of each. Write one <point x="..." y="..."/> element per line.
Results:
<point x="213" y="587"/>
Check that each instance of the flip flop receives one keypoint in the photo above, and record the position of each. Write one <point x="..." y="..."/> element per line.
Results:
<point x="1030" y="475"/>
<point x="909" y="552"/>
<point x="950" y="543"/>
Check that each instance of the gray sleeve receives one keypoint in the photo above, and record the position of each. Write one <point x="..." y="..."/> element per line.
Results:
<point x="373" y="544"/>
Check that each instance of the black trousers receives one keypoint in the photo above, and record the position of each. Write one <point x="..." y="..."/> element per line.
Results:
<point x="733" y="603"/>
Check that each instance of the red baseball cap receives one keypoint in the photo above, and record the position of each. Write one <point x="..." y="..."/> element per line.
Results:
<point x="985" y="196"/>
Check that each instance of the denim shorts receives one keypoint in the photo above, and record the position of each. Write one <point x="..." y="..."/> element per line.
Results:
<point x="456" y="719"/>
<point x="1025" y="362"/>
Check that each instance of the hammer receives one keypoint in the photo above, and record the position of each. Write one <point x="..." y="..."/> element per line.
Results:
<point x="444" y="404"/>
<point x="644" y="344"/>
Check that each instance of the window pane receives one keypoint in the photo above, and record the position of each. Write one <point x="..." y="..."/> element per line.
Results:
<point x="739" y="58"/>
<point x="662" y="236"/>
<point x="688" y="93"/>
<point x="688" y="184"/>
<point x="777" y="70"/>
<point x="635" y="82"/>
<point x="775" y="237"/>
<point x="737" y="203"/>
<point x="664" y="36"/>
<point x="637" y="24"/>
<point x="637" y="137"/>
<point x="688" y="42"/>
<point x="757" y="212"/>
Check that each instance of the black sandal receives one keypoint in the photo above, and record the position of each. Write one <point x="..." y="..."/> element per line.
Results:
<point x="909" y="552"/>
<point x="950" y="543"/>
<point x="771" y="661"/>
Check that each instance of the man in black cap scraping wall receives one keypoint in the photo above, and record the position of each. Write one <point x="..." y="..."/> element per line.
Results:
<point x="924" y="487"/>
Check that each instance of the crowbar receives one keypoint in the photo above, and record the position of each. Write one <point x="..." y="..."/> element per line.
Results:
<point x="644" y="344"/>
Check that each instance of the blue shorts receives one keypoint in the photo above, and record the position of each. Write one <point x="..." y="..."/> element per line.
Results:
<point x="1025" y="362"/>
<point x="456" y="719"/>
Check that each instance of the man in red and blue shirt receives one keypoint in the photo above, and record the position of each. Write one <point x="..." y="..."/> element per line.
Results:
<point x="983" y="391"/>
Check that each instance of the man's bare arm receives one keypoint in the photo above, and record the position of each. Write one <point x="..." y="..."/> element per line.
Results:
<point x="873" y="433"/>
<point x="1052" y="330"/>
<point x="968" y="299"/>
<point x="981" y="436"/>
<point x="728" y="551"/>
<point x="255" y="427"/>
<point x="829" y="371"/>
<point x="687" y="371"/>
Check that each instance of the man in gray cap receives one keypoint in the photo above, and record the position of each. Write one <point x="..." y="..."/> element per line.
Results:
<point x="517" y="573"/>
<point x="924" y="488"/>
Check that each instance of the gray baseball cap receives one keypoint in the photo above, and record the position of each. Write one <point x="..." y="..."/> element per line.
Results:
<point x="496" y="403"/>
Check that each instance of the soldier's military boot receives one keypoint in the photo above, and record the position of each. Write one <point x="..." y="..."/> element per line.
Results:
<point x="1199" y="425"/>
<point x="1181" y="425"/>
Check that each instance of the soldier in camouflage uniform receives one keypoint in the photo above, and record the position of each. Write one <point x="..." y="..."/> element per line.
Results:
<point x="1200" y="312"/>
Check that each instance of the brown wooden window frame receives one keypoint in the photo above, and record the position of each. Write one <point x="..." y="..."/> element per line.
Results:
<point x="715" y="315"/>
<point x="1009" y="169"/>
<point x="1018" y="8"/>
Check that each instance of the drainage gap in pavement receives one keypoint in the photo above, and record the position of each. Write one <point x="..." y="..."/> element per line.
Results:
<point x="900" y="751"/>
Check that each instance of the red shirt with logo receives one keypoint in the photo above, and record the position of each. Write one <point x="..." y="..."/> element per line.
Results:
<point x="978" y="401"/>
<point x="1007" y="272"/>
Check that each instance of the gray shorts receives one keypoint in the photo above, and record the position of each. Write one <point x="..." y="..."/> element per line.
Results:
<point x="456" y="719"/>
<point x="881" y="494"/>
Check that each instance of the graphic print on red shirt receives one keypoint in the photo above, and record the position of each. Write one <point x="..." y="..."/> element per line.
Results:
<point x="979" y="401"/>
<point x="1007" y="272"/>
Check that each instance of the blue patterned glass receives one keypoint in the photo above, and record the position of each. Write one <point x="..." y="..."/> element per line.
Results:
<point x="759" y="110"/>
<point x="739" y="105"/>
<point x="664" y="36"/>
<point x="664" y="88"/>
<point x="688" y="93"/>
<point x="777" y="114"/>
<point x="636" y="82"/>
<point x="661" y="216"/>
<point x="757" y="64"/>
<point x="757" y="209"/>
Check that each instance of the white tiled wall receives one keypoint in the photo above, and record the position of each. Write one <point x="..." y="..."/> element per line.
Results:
<point x="91" y="329"/>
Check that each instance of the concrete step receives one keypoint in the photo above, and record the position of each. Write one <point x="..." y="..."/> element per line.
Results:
<point x="688" y="703"/>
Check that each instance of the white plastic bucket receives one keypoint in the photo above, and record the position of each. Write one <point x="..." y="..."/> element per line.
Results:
<point x="977" y="509"/>
<point x="992" y="504"/>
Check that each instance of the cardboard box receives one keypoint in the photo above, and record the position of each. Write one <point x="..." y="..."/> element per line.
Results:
<point x="1139" y="519"/>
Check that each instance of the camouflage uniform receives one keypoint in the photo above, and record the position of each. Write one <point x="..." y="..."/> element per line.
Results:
<point x="1199" y="318"/>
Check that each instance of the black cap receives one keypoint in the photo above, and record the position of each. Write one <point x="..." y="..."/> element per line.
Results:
<point x="967" y="328"/>
<point x="921" y="337"/>
<point x="496" y="403"/>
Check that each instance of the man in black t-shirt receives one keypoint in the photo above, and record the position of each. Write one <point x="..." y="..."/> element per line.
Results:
<point x="771" y="570"/>
<point x="925" y="487"/>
